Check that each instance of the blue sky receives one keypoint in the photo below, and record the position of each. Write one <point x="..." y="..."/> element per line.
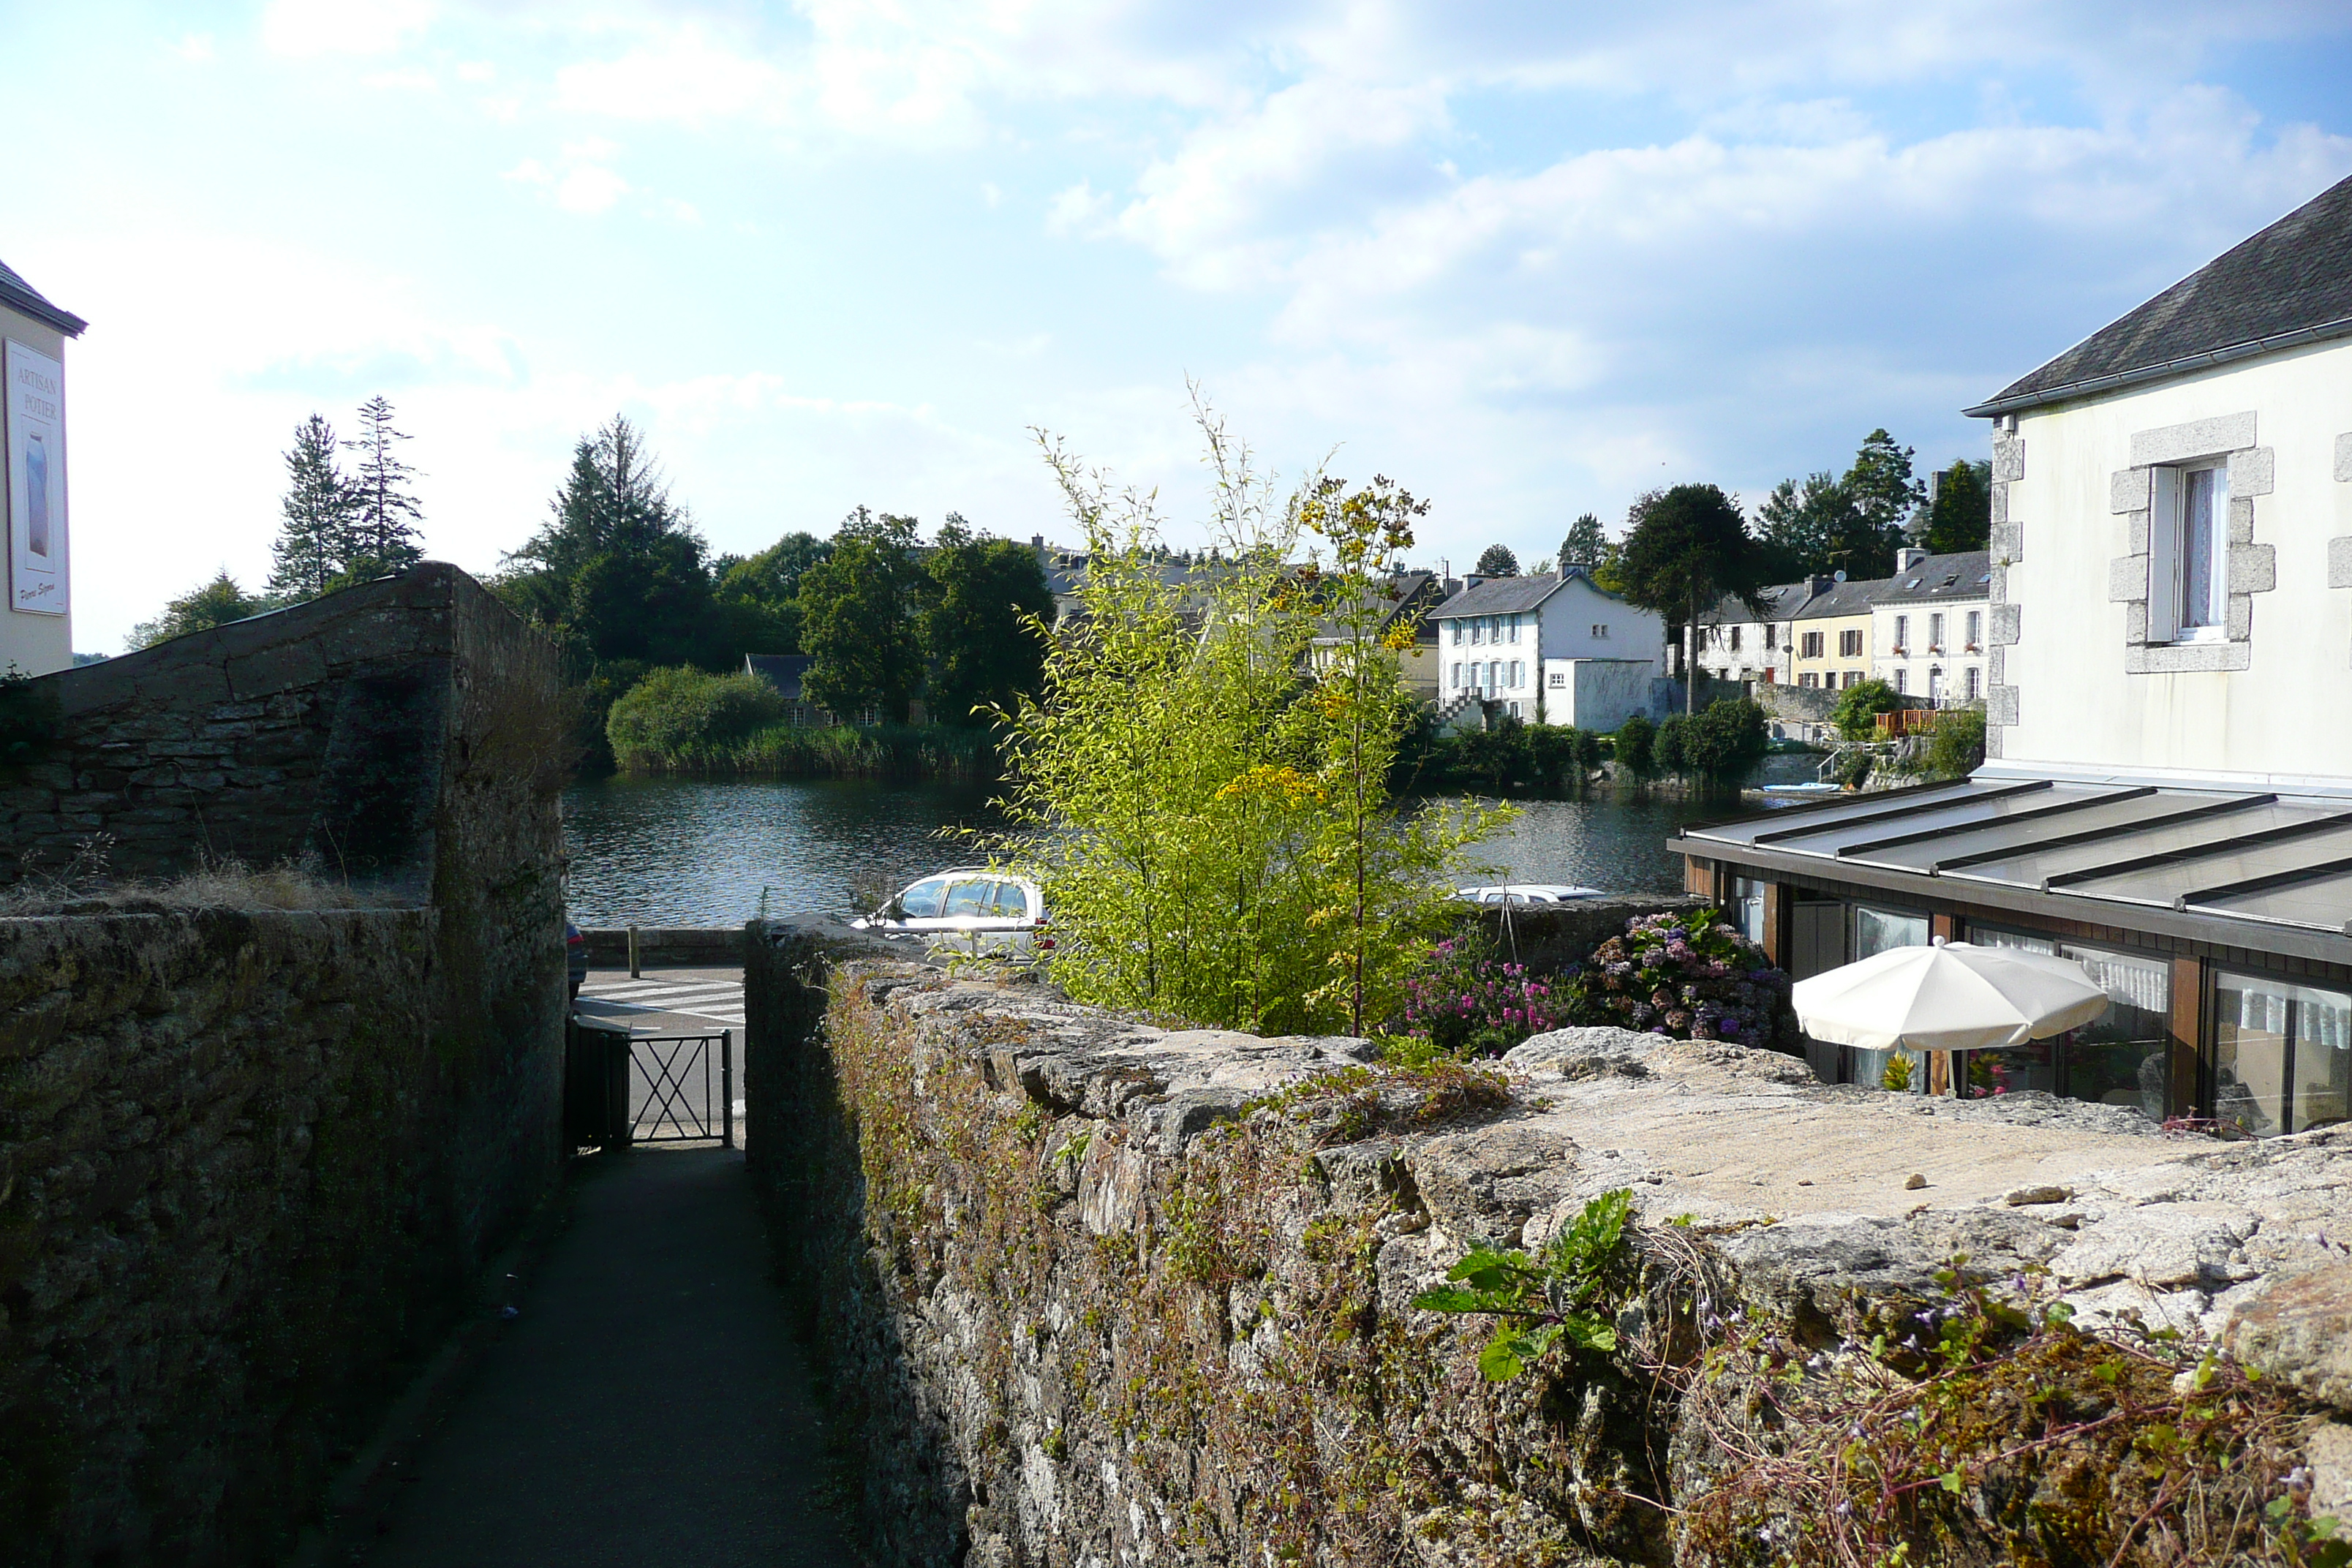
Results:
<point x="1530" y="261"/>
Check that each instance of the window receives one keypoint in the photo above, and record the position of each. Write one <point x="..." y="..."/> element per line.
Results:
<point x="1734" y="639"/>
<point x="970" y="899"/>
<point x="1518" y="673"/>
<point x="1875" y="931"/>
<point x="1494" y="674"/>
<point x="1747" y="908"/>
<point x="2281" y="1054"/>
<point x="1601" y="628"/>
<point x="1902" y="681"/>
<point x="1853" y="678"/>
<point x="1456" y="679"/>
<point x="1012" y="901"/>
<point x="1457" y="637"/>
<point x="1514" y="709"/>
<point x="1975" y="632"/>
<point x="1771" y="637"/>
<point x="1558" y="680"/>
<point x="1935" y="683"/>
<point x="1935" y="634"/>
<point x="2119" y="1058"/>
<point x="1973" y="684"/>
<point x="1902" y="635"/>
<point x="1850" y="644"/>
<point x="923" y="900"/>
<point x="2189" y="555"/>
<point x="1477" y="632"/>
<point x="1809" y="679"/>
<point x="1515" y="628"/>
<point x="1811" y="646"/>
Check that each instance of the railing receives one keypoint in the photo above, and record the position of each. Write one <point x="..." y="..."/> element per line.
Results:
<point x="674" y="1072"/>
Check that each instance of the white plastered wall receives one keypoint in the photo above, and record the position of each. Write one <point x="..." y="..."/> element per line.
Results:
<point x="2286" y="715"/>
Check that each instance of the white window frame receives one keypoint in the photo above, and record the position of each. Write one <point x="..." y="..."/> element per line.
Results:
<point x="1902" y="635"/>
<point x="2167" y="562"/>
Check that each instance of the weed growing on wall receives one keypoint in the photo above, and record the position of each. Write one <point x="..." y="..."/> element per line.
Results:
<point x="1202" y="789"/>
<point x="1568" y="1292"/>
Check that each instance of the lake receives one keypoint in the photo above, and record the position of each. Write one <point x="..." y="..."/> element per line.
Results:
<point x="688" y="852"/>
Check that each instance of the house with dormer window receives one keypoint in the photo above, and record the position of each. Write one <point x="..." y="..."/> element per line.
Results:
<point x="2167" y="793"/>
<point x="1927" y="626"/>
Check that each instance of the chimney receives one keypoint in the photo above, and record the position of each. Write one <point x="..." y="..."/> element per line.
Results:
<point x="1036" y="541"/>
<point x="1908" y="557"/>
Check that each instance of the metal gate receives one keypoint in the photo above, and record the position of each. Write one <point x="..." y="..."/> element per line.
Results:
<point x="672" y="1073"/>
<point x="670" y="1088"/>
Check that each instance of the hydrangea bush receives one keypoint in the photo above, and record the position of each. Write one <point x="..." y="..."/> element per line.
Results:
<point x="1687" y="975"/>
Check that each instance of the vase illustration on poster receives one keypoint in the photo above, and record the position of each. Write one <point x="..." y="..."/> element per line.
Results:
<point x="37" y="500"/>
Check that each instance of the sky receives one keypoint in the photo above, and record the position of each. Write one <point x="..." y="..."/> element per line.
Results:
<point x="1528" y="261"/>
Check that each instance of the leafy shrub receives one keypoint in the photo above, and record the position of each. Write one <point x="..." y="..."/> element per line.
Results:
<point x="1569" y="1290"/>
<point x="1467" y="1003"/>
<point x="1671" y="747"/>
<point x="1689" y="976"/>
<point x="1955" y="746"/>
<point x="1859" y="705"/>
<point x="673" y="715"/>
<point x="1636" y="741"/>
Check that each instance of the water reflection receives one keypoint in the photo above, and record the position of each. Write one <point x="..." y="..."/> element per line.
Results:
<point x="681" y="852"/>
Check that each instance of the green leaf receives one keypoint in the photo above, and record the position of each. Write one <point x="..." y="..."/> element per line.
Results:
<point x="1950" y="1480"/>
<point x="1447" y="1300"/>
<point x="1500" y="1362"/>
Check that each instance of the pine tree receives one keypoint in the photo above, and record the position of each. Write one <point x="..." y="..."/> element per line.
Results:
<point x="385" y="514"/>
<point x="314" y="539"/>
<point x="1497" y="561"/>
<point x="1585" y="543"/>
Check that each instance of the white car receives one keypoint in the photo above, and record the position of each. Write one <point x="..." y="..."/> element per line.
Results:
<point x="1518" y="893"/>
<point x="971" y="910"/>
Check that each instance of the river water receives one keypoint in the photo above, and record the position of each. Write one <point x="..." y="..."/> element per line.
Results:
<point x="686" y="852"/>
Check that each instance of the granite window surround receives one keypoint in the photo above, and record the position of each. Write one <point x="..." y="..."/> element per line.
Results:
<point x="2007" y="542"/>
<point x="2253" y="568"/>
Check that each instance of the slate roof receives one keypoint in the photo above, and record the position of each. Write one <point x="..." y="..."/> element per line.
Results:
<point x="1967" y="574"/>
<point x="1781" y="602"/>
<point x="784" y="671"/>
<point x="19" y="295"/>
<point x="2289" y="284"/>
<point x="1842" y="599"/>
<point x="1509" y="595"/>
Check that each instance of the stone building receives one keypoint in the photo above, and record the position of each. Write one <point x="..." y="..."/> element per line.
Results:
<point x="36" y="631"/>
<point x="2168" y="794"/>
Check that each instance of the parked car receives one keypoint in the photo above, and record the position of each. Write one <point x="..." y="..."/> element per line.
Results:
<point x="971" y="910"/>
<point x="576" y="956"/>
<point x="1526" y="893"/>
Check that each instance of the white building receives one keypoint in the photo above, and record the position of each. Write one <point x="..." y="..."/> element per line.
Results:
<point x="2167" y="797"/>
<point x="36" y="630"/>
<point x="1927" y="626"/>
<point x="1549" y="649"/>
<point x="1736" y="643"/>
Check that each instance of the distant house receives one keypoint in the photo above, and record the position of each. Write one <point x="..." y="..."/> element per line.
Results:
<point x="1833" y="635"/>
<point x="1408" y="598"/>
<point x="1927" y="626"/>
<point x="1735" y="643"/>
<point x="37" y="629"/>
<point x="1550" y="649"/>
<point x="783" y="671"/>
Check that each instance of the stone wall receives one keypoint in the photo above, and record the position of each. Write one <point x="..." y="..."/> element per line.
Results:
<point x="251" y="1158"/>
<point x="1087" y="1292"/>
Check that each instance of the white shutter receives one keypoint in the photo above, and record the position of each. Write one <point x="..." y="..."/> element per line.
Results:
<point x="2164" y="558"/>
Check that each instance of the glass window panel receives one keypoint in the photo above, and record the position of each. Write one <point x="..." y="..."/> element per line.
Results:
<point x="2121" y="1058"/>
<point x="2282" y="1054"/>
<point x="2030" y="866"/>
<point x="2197" y="595"/>
<point x="2222" y="866"/>
<point x="970" y="899"/>
<point x="1875" y="930"/>
<point x="923" y="900"/>
<point x="1012" y="901"/>
<point x="1747" y="908"/>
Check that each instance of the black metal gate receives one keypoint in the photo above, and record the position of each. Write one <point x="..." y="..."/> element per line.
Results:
<point x="671" y="1088"/>
<point x="674" y="1074"/>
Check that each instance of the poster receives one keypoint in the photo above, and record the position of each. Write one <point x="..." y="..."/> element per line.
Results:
<point x="35" y="426"/>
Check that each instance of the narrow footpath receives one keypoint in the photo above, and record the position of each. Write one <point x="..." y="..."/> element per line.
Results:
<point x="648" y="1405"/>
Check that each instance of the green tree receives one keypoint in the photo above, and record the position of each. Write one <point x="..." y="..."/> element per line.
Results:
<point x="1960" y="517"/>
<point x="1584" y="544"/>
<point x="1496" y="560"/>
<point x="859" y="609"/>
<point x="683" y="714"/>
<point x="985" y="619"/>
<point x="1673" y="746"/>
<point x="1726" y="741"/>
<point x="1883" y="491"/>
<point x="385" y="511"/>
<point x="1209" y="820"/>
<point x="758" y="596"/>
<point x="1859" y="705"/>
<point x="1636" y="747"/>
<point x="1955" y="746"/>
<point x="317" y="515"/>
<point x="209" y="604"/>
<point x="1685" y="548"/>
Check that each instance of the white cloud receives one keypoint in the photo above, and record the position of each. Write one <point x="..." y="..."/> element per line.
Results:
<point x="1078" y="210"/>
<point x="308" y="27"/>
<point x="580" y="181"/>
<point x="590" y="188"/>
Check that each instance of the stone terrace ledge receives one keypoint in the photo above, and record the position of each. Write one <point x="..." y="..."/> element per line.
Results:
<point x="1804" y="1191"/>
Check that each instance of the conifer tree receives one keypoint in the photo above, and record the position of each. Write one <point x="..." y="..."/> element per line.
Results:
<point x="313" y="540"/>
<point x="385" y="512"/>
<point x="1585" y="543"/>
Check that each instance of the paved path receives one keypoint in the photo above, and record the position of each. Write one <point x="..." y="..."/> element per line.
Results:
<point x="648" y="1406"/>
<point x="666" y="1001"/>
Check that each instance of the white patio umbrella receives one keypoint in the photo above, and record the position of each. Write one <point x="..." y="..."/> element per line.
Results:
<point x="1952" y="997"/>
